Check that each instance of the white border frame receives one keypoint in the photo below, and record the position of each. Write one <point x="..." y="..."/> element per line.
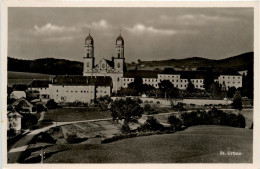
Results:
<point x="40" y="3"/>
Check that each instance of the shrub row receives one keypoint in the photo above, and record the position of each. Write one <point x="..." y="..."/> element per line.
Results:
<point x="213" y="117"/>
<point x="134" y="134"/>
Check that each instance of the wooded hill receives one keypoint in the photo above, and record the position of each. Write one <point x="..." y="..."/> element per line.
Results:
<point x="62" y="67"/>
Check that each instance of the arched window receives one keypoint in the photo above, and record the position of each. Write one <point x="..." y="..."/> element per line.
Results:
<point x="87" y="64"/>
<point x="103" y="66"/>
<point x="87" y="55"/>
<point x="118" y="79"/>
<point x="118" y="65"/>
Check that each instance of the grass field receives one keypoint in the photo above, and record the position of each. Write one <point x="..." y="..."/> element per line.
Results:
<point x="198" y="144"/>
<point x="75" y="114"/>
<point x="25" y="77"/>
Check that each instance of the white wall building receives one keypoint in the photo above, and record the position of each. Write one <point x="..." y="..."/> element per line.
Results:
<point x="230" y="78"/>
<point x="42" y="86"/>
<point x="17" y="95"/>
<point x="79" y="88"/>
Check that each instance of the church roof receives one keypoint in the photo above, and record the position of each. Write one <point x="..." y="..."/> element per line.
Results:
<point x="82" y="81"/>
<point x="40" y="83"/>
<point x="169" y="71"/>
<point x="89" y="37"/>
<point x="230" y="72"/>
<point x="120" y="38"/>
<point x="110" y="63"/>
<point x="192" y="74"/>
<point x="141" y="73"/>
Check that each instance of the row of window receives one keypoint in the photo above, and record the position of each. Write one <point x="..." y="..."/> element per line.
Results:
<point x="177" y="76"/>
<point x="229" y="77"/>
<point x="82" y="91"/>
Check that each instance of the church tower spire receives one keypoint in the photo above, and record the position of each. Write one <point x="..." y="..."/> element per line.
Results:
<point x="89" y="54"/>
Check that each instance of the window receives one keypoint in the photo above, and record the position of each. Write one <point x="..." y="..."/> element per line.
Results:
<point x="233" y="77"/>
<point x="87" y="55"/>
<point x="103" y="66"/>
<point x="118" y="65"/>
<point x="181" y="80"/>
<point x="118" y="55"/>
<point x="177" y="81"/>
<point x="87" y="64"/>
<point x="57" y="90"/>
<point x="118" y="79"/>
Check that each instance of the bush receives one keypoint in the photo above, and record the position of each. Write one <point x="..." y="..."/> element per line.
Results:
<point x="151" y="124"/>
<point x="72" y="138"/>
<point x="213" y="117"/>
<point x="241" y="121"/>
<point x="51" y="104"/>
<point x="125" y="128"/>
<point x="176" y="123"/>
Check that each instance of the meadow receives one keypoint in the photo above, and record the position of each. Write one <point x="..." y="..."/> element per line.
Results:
<point x="25" y="77"/>
<point x="197" y="144"/>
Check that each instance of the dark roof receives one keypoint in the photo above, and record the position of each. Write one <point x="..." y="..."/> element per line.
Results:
<point x="169" y="71"/>
<point x="89" y="37"/>
<point x="120" y="38"/>
<point x="192" y="74"/>
<point x="40" y="83"/>
<point x="230" y="72"/>
<point x="110" y="63"/>
<point x="141" y="73"/>
<point x="83" y="80"/>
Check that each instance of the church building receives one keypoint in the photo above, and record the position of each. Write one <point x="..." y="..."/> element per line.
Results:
<point x="114" y="68"/>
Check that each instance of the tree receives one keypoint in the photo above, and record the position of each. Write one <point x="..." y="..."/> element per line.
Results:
<point x="215" y="90"/>
<point x="128" y="110"/>
<point x="190" y="87"/>
<point x="237" y="101"/>
<point x="20" y="87"/>
<point x="104" y="102"/>
<point x="127" y="92"/>
<point x="231" y="92"/>
<point x="137" y="84"/>
<point x="208" y="79"/>
<point x="151" y="124"/>
<point x="51" y="104"/>
<point x="165" y="86"/>
<point x="175" y="122"/>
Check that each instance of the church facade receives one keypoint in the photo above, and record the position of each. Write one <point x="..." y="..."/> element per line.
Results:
<point x="114" y="68"/>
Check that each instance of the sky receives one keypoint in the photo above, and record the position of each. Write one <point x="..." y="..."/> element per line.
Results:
<point x="149" y="33"/>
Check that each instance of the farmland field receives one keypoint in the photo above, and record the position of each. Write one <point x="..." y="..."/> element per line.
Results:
<point x="25" y="77"/>
<point x="198" y="144"/>
<point x="76" y="114"/>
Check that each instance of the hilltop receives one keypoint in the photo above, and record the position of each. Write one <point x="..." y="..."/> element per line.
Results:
<point x="239" y="62"/>
<point x="62" y="67"/>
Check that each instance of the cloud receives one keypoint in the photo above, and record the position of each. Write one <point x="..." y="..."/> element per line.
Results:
<point x="201" y="19"/>
<point x="51" y="29"/>
<point x="102" y="24"/>
<point x="140" y="28"/>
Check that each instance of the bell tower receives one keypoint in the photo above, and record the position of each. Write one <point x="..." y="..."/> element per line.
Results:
<point x="89" y="58"/>
<point x="119" y="55"/>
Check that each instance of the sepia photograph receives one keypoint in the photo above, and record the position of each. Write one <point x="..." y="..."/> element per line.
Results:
<point x="124" y="85"/>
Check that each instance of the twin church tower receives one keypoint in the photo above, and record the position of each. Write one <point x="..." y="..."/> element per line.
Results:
<point x="114" y="68"/>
